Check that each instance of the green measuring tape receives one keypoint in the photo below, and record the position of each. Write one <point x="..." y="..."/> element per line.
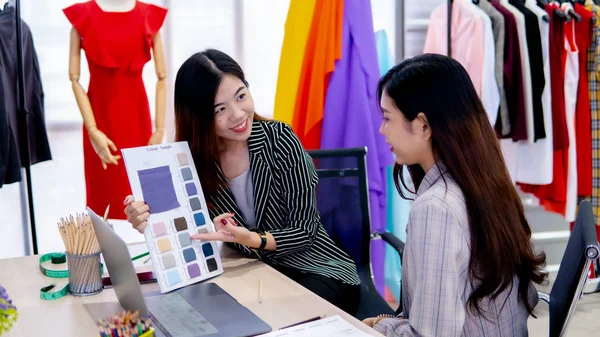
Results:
<point x="56" y="259"/>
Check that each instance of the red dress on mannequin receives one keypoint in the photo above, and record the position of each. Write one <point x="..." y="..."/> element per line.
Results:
<point x="117" y="46"/>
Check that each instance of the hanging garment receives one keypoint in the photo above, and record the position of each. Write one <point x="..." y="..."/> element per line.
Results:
<point x="553" y="197"/>
<point x="467" y="38"/>
<point x="13" y="150"/>
<point x="583" y="122"/>
<point x="499" y="36"/>
<point x="464" y="44"/>
<point x="323" y="48"/>
<point x="513" y="85"/>
<point x="521" y="128"/>
<point x="297" y="28"/>
<point x="352" y="116"/>
<point x="397" y="208"/>
<point x="116" y="90"/>
<point x="540" y="152"/>
<point x="536" y="67"/>
<point x="525" y="66"/>
<point x="571" y="84"/>
<point x="510" y="148"/>
<point x="490" y="95"/>
<point x="594" y="86"/>
<point x="557" y="60"/>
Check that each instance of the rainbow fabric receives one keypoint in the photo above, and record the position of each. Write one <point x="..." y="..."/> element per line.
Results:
<point x="326" y="90"/>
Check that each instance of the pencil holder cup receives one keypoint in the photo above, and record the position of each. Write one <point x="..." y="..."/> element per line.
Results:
<point x="85" y="275"/>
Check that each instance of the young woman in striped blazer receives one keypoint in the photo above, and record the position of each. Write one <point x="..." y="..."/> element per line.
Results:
<point x="257" y="179"/>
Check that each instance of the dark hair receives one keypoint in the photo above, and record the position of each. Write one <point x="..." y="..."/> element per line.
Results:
<point x="196" y="86"/>
<point x="465" y="142"/>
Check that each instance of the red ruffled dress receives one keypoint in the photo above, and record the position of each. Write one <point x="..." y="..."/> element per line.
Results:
<point x="117" y="45"/>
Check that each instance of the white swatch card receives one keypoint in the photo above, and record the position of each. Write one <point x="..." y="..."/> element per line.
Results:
<point x="165" y="177"/>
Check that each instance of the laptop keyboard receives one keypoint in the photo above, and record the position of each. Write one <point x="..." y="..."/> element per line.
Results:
<point x="177" y="318"/>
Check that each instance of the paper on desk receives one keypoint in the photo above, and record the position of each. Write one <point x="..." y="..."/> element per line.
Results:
<point x="334" y="326"/>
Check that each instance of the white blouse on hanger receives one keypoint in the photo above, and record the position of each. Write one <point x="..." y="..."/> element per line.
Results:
<point x="535" y="163"/>
<point x="490" y="93"/>
<point x="511" y="149"/>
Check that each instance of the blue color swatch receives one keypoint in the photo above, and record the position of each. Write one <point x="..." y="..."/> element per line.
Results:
<point x="173" y="277"/>
<point x="207" y="249"/>
<point x="189" y="255"/>
<point x="186" y="173"/>
<point x="199" y="219"/>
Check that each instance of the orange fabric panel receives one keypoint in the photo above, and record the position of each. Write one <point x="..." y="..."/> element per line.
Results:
<point x="323" y="48"/>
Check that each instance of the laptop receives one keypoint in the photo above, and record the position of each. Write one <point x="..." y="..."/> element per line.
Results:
<point x="198" y="310"/>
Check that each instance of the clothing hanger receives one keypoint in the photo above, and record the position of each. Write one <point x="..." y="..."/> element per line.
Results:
<point x="558" y="12"/>
<point x="571" y="12"/>
<point x="542" y="4"/>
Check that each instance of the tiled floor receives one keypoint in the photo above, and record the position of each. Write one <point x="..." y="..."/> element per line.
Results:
<point x="59" y="191"/>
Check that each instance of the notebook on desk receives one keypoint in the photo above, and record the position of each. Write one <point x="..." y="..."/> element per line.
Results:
<point x="202" y="309"/>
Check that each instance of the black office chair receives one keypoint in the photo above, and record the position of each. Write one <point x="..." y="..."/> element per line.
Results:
<point x="343" y="202"/>
<point x="582" y="249"/>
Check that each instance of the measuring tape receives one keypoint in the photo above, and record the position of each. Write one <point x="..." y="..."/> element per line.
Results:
<point x="56" y="259"/>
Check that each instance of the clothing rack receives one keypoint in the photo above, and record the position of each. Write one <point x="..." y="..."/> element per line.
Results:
<point x="449" y="30"/>
<point x="594" y="283"/>
<point x="24" y="117"/>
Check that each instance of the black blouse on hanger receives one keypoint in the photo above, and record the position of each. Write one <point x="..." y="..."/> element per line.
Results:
<point x="536" y="62"/>
<point x="12" y="147"/>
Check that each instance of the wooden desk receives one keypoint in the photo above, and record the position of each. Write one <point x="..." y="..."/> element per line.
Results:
<point x="284" y="301"/>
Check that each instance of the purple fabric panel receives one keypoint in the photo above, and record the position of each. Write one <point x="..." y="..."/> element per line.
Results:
<point x="352" y="117"/>
<point x="157" y="189"/>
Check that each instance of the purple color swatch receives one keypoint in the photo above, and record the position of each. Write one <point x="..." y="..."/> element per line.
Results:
<point x="193" y="270"/>
<point x="157" y="189"/>
<point x="190" y="188"/>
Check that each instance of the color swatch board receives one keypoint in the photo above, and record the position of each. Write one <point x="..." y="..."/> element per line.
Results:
<point x="165" y="177"/>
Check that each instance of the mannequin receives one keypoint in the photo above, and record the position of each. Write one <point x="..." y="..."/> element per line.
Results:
<point x="116" y="5"/>
<point x="116" y="61"/>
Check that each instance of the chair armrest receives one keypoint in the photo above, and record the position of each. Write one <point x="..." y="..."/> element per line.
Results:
<point x="391" y="240"/>
<point x="544" y="297"/>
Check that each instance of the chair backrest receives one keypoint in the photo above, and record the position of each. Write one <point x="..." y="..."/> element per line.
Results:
<point x="582" y="249"/>
<point x="343" y="201"/>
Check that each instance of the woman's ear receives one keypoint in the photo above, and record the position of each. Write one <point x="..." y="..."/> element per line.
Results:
<point x="424" y="127"/>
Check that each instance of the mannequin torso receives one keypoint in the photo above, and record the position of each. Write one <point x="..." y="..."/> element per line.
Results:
<point x="116" y="5"/>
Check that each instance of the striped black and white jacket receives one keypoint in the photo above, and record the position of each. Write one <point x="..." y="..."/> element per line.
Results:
<point x="284" y="179"/>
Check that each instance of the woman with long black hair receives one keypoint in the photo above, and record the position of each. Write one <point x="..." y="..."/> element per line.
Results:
<point x="468" y="267"/>
<point x="258" y="181"/>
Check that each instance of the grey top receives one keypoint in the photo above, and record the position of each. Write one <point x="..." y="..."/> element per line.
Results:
<point x="498" y="28"/>
<point x="435" y="272"/>
<point x="243" y="191"/>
